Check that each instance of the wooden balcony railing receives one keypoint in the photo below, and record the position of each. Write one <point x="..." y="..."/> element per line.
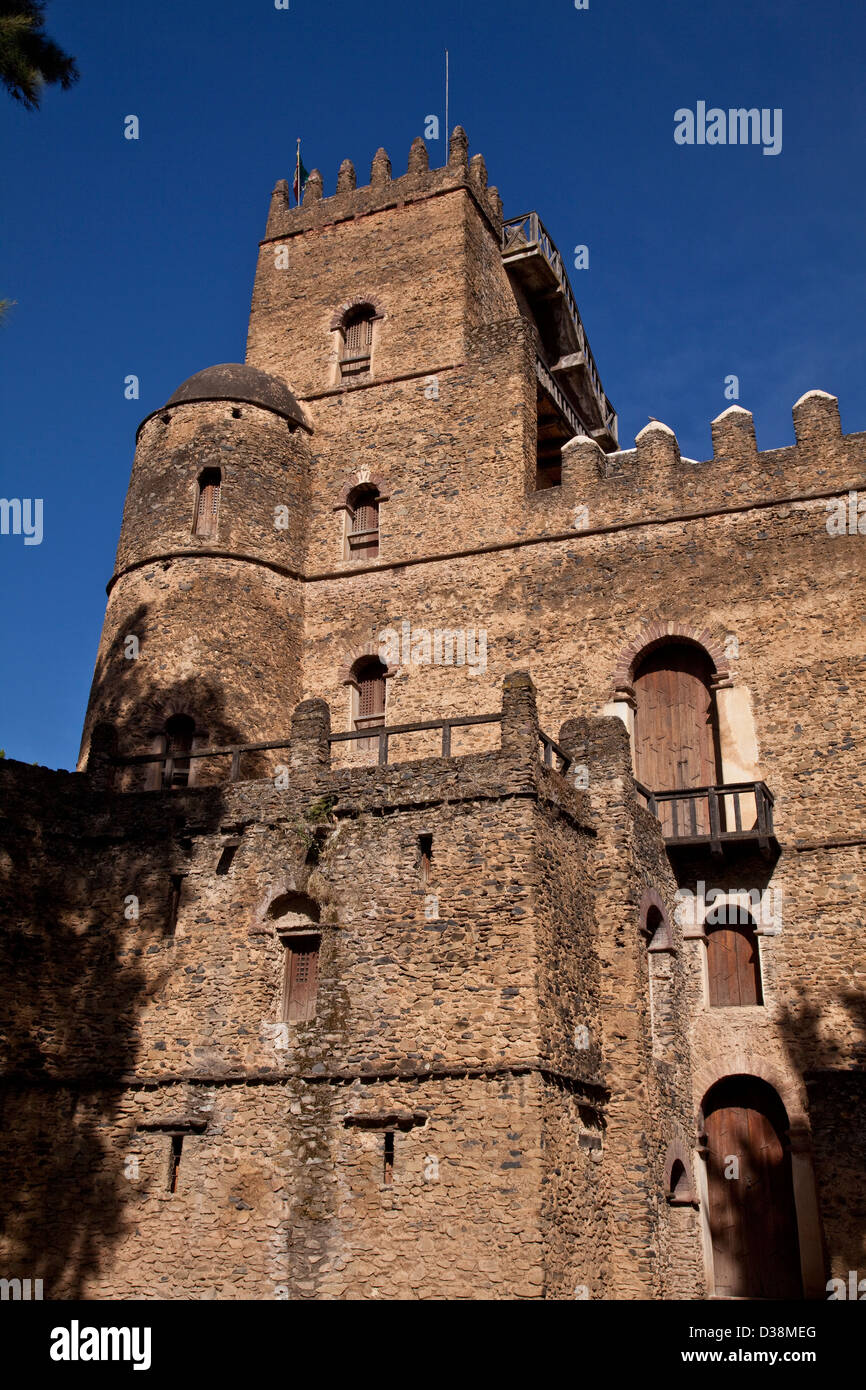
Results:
<point x="525" y="234"/>
<point x="714" y="816"/>
<point x="372" y="734"/>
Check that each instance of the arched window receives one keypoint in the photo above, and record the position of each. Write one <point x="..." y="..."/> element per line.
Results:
<point x="207" y="503"/>
<point x="675" y="732"/>
<point x="369" y="696"/>
<point x="752" y="1217"/>
<point x="362" y="534"/>
<point x="178" y="738"/>
<point x="356" y="342"/>
<point x="657" y="931"/>
<point x="733" y="959"/>
<point x="680" y="1191"/>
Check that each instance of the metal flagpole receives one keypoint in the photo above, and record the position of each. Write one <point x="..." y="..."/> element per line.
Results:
<point x="447" y="132"/>
<point x="298" y="175"/>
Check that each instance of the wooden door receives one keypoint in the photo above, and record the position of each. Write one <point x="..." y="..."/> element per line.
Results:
<point x="752" y="1217"/>
<point x="675" y="743"/>
<point x="733" y="966"/>
<point x="302" y="969"/>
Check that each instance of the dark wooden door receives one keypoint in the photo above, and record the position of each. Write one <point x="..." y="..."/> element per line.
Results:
<point x="752" y="1216"/>
<point x="302" y="969"/>
<point x="733" y="966"/>
<point x="675" y="744"/>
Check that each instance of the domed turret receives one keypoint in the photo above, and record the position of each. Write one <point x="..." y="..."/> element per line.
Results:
<point x="235" y="381"/>
<point x="207" y="572"/>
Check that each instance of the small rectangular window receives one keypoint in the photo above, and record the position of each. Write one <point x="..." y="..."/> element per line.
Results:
<point x="208" y="503"/>
<point x="388" y="1167"/>
<point x="225" y="860"/>
<point x="174" y="892"/>
<point x="300" y="981"/>
<point x="174" y="1161"/>
<point x="425" y="857"/>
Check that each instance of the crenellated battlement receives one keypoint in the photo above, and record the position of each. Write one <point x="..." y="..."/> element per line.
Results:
<point x="350" y="200"/>
<point x="655" y="479"/>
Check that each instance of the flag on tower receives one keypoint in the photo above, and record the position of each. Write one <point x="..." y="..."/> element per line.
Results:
<point x="301" y="176"/>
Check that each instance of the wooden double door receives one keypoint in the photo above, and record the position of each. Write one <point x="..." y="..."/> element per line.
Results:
<point x="675" y="732"/>
<point x="752" y="1217"/>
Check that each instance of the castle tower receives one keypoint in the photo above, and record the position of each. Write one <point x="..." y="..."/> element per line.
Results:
<point x="485" y="1012"/>
<point x="202" y="637"/>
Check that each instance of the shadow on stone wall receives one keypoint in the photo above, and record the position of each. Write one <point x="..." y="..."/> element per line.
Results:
<point x="835" y="1077"/>
<point x="132" y="696"/>
<point x="75" y="974"/>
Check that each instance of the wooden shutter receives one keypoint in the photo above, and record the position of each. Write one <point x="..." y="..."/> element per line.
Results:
<point x="359" y="336"/>
<point x="207" y="510"/>
<point x="371" y="701"/>
<point x="357" y="345"/>
<point x="371" y="695"/>
<point x="753" y="1223"/>
<point x="302" y="970"/>
<point x="365" y="514"/>
<point x="733" y="966"/>
<point x="364" y="524"/>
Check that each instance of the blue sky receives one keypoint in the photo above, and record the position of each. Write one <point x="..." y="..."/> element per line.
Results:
<point x="138" y="257"/>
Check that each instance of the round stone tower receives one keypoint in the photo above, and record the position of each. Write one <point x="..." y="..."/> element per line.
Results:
<point x="201" y="644"/>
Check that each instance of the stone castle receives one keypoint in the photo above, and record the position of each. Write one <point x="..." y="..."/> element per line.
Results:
<point x="517" y="956"/>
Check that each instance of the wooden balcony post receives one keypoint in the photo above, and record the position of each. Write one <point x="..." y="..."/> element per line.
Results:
<point x="715" y="822"/>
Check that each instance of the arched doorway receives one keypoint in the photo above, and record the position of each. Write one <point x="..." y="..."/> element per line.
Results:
<point x="750" y="1195"/>
<point x="675" y="737"/>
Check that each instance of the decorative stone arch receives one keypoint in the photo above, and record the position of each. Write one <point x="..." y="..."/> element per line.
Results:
<point x="679" y="1179"/>
<point x="362" y="301"/>
<point x="727" y="1064"/>
<point x="655" y="634"/>
<point x="362" y="477"/>
<point x="285" y="907"/>
<point x="346" y="673"/>
<point x="659" y="936"/>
